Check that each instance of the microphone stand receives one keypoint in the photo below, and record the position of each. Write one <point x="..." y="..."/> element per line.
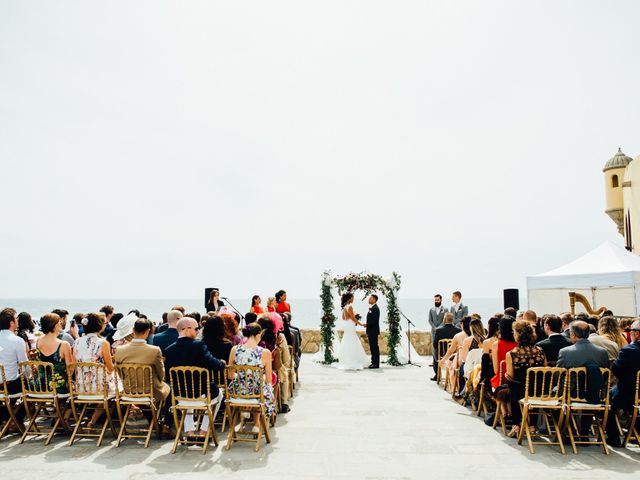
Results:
<point x="234" y="309"/>
<point x="409" y="323"/>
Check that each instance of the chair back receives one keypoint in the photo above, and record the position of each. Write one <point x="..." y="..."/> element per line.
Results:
<point x="4" y="390"/>
<point x="220" y="377"/>
<point x="88" y="378"/>
<point x="637" y="401"/>
<point x="38" y="379"/>
<point x="134" y="380"/>
<point x="545" y="384"/>
<point x="502" y="369"/>
<point x="578" y="386"/>
<point x="189" y="384"/>
<point x="247" y="382"/>
<point x="443" y="346"/>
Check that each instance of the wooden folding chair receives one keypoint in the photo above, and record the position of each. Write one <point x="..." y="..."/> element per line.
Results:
<point x="134" y="388"/>
<point x="220" y="377"/>
<point x="633" y="428"/>
<point x="42" y="400"/>
<point x="499" y="416"/>
<point x="545" y="395"/>
<point x="246" y="394"/>
<point x="577" y="408"/>
<point x="12" y="402"/>
<point x="89" y="392"/>
<point x="191" y="395"/>
<point x="443" y="346"/>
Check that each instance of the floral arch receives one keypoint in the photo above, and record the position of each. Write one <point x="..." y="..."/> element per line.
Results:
<point x="369" y="283"/>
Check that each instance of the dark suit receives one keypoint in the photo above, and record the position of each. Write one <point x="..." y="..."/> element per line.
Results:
<point x="186" y="352"/>
<point x="373" y="331"/>
<point x="444" y="332"/>
<point x="211" y="307"/>
<point x="625" y="368"/>
<point x="552" y="345"/>
<point x="166" y="338"/>
<point x="540" y="333"/>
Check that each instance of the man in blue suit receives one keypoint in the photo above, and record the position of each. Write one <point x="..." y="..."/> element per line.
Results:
<point x="625" y="368"/>
<point x="170" y="335"/>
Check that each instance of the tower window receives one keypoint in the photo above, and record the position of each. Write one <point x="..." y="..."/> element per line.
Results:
<point x="614" y="181"/>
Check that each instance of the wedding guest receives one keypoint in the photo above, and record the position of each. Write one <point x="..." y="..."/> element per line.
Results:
<point x="281" y="302"/>
<point x="252" y="354"/>
<point x="181" y="309"/>
<point x="511" y="312"/>
<point x="625" y="326"/>
<point x="451" y="359"/>
<point x="93" y="348"/>
<point x="505" y="344"/>
<point x="582" y="352"/>
<point x="271" y="304"/>
<point x="213" y="335"/>
<point x="567" y="319"/>
<point x="63" y="335"/>
<point x="445" y="332"/>
<point x="255" y="305"/>
<point x="555" y="341"/>
<point x="214" y="304"/>
<point x="604" y="337"/>
<point x="13" y="350"/>
<point x="138" y="351"/>
<point x="124" y="332"/>
<point x="458" y="309"/>
<point x="195" y="315"/>
<point x="471" y="352"/>
<point x="26" y="327"/>
<point x="625" y="368"/>
<point x="524" y="356"/>
<point x="609" y="328"/>
<point x="232" y="331"/>
<point x="170" y="335"/>
<point x="276" y="342"/>
<point x="50" y="348"/>
<point x="493" y="333"/>
<point x="110" y="329"/>
<point x="77" y="319"/>
<point x="531" y="317"/>
<point x="189" y="352"/>
<point x="164" y="325"/>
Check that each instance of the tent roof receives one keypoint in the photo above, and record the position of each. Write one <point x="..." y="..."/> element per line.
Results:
<point x="607" y="265"/>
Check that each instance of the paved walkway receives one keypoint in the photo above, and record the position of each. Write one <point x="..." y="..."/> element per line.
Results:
<point x="390" y="423"/>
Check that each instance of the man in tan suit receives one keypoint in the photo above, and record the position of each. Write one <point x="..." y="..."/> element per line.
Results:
<point x="138" y="351"/>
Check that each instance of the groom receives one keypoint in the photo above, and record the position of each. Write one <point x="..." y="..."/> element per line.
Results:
<point x="373" y="330"/>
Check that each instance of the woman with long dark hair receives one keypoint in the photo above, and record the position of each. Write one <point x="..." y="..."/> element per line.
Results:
<point x="213" y="335"/>
<point x="214" y="304"/>
<point x="255" y="305"/>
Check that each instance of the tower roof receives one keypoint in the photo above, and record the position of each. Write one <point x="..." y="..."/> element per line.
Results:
<point x="619" y="160"/>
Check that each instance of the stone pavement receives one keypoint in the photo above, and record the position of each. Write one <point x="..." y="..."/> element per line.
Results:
<point x="388" y="423"/>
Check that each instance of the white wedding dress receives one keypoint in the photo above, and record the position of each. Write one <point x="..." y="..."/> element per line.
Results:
<point x="350" y="353"/>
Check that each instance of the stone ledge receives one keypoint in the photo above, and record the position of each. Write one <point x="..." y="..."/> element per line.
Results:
<point x="421" y="341"/>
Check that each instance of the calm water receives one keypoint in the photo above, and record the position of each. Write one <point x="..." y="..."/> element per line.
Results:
<point x="306" y="312"/>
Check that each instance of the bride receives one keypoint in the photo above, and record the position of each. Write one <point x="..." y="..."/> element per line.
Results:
<point x="351" y="354"/>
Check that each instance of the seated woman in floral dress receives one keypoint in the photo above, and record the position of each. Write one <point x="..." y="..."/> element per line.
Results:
<point x="251" y="354"/>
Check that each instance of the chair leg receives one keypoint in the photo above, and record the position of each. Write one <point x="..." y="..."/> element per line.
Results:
<point x="32" y="420"/>
<point x="601" y="435"/>
<point x="260" y="430"/>
<point x="570" y="423"/>
<point x="79" y="421"/>
<point x="153" y="423"/>
<point x="179" y="426"/>
<point x="632" y="428"/>
<point x="232" y="427"/>
<point x="123" y="424"/>
<point x="267" y="435"/>
<point x="212" y="426"/>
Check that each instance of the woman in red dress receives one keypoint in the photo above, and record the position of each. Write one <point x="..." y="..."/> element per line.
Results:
<point x="282" y="305"/>
<point x="255" y="305"/>
<point x="506" y="342"/>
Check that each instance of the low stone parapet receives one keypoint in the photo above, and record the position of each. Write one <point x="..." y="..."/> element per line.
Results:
<point x="421" y="341"/>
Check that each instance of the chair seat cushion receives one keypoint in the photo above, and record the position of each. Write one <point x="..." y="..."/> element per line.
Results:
<point x="10" y="397"/>
<point x="244" y="401"/>
<point x="584" y="406"/>
<point x="45" y="396"/>
<point x="124" y="398"/>
<point x="196" y="403"/>
<point x="541" y="403"/>
<point x="98" y="397"/>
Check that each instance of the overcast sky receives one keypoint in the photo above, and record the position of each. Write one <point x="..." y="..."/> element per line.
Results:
<point x="150" y="149"/>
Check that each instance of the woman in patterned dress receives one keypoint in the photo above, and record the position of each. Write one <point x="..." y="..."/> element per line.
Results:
<point x="92" y="348"/>
<point x="251" y="354"/>
<point x="55" y="351"/>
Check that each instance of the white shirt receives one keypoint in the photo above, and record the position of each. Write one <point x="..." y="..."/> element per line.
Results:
<point x="455" y="307"/>
<point x="13" y="350"/>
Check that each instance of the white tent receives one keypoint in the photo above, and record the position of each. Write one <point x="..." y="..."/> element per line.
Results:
<point x="608" y="276"/>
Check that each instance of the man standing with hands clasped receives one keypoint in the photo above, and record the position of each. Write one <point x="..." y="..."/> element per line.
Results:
<point x="436" y="314"/>
<point x="458" y="309"/>
<point x="373" y="330"/>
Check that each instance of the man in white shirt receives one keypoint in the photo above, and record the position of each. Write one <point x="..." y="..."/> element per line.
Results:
<point x="13" y="350"/>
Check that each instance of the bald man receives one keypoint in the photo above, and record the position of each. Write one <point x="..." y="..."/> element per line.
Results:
<point x="170" y="335"/>
<point x="582" y="352"/>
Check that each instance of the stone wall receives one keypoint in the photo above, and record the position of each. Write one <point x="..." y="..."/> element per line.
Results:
<point x="421" y="341"/>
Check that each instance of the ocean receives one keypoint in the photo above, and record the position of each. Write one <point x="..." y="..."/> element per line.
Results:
<point x="306" y="311"/>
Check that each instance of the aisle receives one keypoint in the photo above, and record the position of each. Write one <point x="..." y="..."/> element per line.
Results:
<point x="388" y="423"/>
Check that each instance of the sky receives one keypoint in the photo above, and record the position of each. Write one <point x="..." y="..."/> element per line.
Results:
<point x="149" y="149"/>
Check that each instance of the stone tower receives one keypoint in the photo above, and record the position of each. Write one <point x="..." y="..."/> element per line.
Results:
<point x="613" y="178"/>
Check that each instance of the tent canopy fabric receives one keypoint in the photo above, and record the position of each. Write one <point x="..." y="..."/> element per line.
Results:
<point x="608" y="276"/>
<point x="608" y="265"/>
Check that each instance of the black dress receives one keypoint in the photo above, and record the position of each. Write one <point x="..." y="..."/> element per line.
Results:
<point x="212" y="308"/>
